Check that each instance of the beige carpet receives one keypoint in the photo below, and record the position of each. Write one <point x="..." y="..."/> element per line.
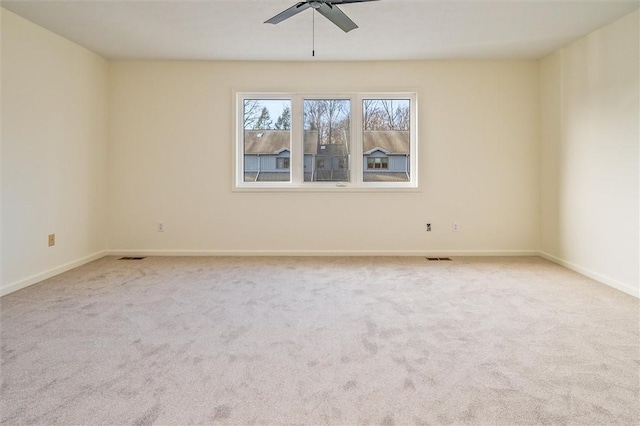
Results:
<point x="320" y="341"/>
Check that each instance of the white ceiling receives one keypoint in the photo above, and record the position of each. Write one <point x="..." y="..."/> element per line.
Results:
<point x="389" y="29"/>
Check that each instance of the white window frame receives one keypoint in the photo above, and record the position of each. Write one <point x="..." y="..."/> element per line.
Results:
<point x="296" y="158"/>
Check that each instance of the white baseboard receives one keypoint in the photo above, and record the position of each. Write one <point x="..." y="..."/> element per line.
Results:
<point x="437" y="253"/>
<point x="618" y="285"/>
<point x="33" y="279"/>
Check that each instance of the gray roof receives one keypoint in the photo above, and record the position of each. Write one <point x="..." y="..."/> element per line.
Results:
<point x="391" y="141"/>
<point x="275" y="141"/>
<point x="333" y="150"/>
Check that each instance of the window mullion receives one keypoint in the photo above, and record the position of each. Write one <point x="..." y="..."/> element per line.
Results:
<point x="297" y="141"/>
<point x="356" y="141"/>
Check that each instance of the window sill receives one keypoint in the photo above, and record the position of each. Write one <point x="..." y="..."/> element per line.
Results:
<point x="326" y="188"/>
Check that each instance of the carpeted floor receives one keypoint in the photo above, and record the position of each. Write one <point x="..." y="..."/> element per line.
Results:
<point x="320" y="341"/>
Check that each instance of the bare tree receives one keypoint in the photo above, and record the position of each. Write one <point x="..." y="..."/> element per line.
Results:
<point x="313" y="112"/>
<point x="385" y="114"/>
<point x="374" y="117"/>
<point x="389" y="113"/>
<point x="330" y="117"/>
<point x="336" y="112"/>
<point x="403" y="117"/>
<point x="369" y="112"/>
<point x="251" y="113"/>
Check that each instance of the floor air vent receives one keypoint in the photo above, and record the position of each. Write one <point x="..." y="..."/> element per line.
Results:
<point x="131" y="258"/>
<point x="438" y="258"/>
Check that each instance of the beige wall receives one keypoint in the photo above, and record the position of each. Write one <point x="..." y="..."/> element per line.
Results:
<point x="54" y="149"/>
<point x="590" y="121"/>
<point x="171" y="142"/>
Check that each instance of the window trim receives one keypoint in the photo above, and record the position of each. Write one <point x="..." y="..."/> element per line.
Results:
<point x="296" y="162"/>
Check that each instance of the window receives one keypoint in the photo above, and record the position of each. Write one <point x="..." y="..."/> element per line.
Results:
<point x="264" y="140"/>
<point x="319" y="141"/>
<point x="377" y="163"/>
<point x="282" y="163"/>
<point x="386" y="139"/>
<point x="326" y="127"/>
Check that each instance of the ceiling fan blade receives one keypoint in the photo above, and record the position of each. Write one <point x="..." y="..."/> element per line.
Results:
<point x="349" y="1"/>
<point x="335" y="15"/>
<point x="293" y="10"/>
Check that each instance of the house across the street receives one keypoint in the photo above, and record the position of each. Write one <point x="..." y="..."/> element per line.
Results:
<point x="267" y="157"/>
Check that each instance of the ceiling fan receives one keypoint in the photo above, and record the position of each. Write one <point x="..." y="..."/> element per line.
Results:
<point x="326" y="8"/>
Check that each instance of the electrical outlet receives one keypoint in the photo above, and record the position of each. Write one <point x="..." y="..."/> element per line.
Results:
<point x="455" y="227"/>
<point x="52" y="240"/>
<point x="428" y="227"/>
<point x="160" y="227"/>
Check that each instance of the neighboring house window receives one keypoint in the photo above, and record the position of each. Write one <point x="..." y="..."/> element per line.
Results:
<point x="282" y="163"/>
<point x="378" y="163"/>
<point x="307" y="141"/>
